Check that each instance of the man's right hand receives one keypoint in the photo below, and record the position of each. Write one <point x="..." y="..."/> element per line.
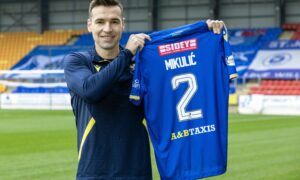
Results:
<point x="136" y="41"/>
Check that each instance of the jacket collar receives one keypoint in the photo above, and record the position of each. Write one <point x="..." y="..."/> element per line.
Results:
<point x="98" y="59"/>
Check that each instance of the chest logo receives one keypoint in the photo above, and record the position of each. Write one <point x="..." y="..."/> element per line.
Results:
<point x="97" y="67"/>
<point x="181" y="46"/>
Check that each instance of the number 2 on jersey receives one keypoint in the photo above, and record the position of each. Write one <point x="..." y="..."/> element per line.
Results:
<point x="190" y="79"/>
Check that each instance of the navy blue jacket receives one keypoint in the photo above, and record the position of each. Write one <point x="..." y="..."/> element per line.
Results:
<point x="112" y="140"/>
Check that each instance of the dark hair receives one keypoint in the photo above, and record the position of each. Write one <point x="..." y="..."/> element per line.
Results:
<point x="95" y="3"/>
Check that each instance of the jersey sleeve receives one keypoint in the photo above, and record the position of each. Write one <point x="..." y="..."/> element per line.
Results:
<point x="228" y="56"/>
<point x="136" y="94"/>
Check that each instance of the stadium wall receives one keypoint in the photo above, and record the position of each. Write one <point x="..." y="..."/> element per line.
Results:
<point x="269" y="104"/>
<point x="292" y="13"/>
<point x="46" y="101"/>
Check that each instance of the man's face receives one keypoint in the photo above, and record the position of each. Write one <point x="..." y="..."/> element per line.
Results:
<point x="106" y="24"/>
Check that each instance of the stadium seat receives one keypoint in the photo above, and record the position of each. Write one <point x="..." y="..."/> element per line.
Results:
<point x="2" y="88"/>
<point x="277" y="87"/>
<point x="296" y="36"/>
<point x="15" y="45"/>
<point x="291" y="26"/>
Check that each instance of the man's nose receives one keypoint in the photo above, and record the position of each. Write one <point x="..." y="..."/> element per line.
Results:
<point x="107" y="27"/>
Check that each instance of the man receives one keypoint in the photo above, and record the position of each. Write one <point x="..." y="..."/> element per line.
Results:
<point x="112" y="140"/>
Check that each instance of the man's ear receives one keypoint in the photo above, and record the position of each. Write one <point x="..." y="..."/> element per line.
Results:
<point x="89" y="24"/>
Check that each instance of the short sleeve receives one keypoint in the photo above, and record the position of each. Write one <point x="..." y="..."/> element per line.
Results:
<point x="136" y="94"/>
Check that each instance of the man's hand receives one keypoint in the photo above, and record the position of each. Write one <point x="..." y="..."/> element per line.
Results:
<point x="215" y="25"/>
<point x="136" y="41"/>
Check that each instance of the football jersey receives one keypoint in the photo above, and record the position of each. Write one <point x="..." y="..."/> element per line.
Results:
<point x="182" y="77"/>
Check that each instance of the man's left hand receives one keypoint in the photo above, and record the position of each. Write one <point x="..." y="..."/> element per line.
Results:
<point x="215" y="25"/>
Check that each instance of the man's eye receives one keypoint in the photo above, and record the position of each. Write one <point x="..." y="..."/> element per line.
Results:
<point x="116" y="22"/>
<point x="99" y="22"/>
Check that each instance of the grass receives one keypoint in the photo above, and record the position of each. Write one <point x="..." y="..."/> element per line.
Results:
<point x="37" y="145"/>
<point x="41" y="145"/>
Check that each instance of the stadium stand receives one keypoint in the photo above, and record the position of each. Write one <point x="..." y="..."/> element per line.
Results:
<point x="87" y="39"/>
<point x="84" y="39"/>
<point x="277" y="87"/>
<point x="22" y="89"/>
<point x="296" y="35"/>
<point x="290" y="26"/>
<point x="286" y="35"/>
<point x="2" y="88"/>
<point x="293" y="29"/>
<point x="242" y="40"/>
<point x="246" y="42"/>
<point x="15" y="45"/>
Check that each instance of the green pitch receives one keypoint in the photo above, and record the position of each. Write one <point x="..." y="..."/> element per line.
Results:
<point x="41" y="145"/>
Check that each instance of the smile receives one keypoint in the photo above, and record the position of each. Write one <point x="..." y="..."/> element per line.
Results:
<point x="107" y="37"/>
